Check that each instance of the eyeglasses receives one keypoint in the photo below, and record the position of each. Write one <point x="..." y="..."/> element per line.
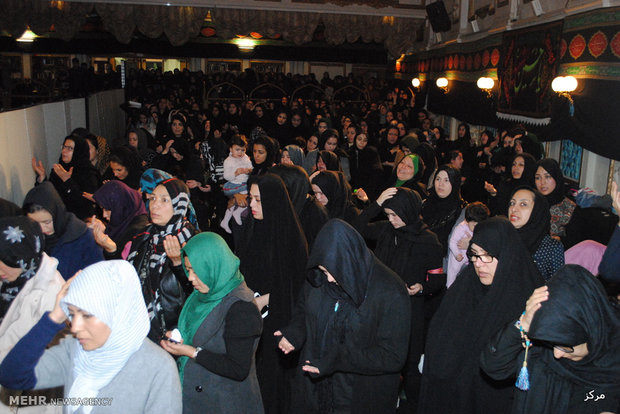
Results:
<point x="562" y="348"/>
<point x="484" y="258"/>
<point x="68" y="147"/>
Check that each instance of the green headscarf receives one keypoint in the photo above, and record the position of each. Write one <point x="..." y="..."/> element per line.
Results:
<point x="218" y="268"/>
<point x="416" y="168"/>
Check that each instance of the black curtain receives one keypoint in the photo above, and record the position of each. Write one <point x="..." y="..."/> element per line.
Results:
<point x="464" y="101"/>
<point x="595" y="124"/>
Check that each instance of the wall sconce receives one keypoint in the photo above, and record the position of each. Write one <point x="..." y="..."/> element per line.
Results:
<point x="442" y="83"/>
<point x="28" y="36"/>
<point x="486" y="84"/>
<point x="415" y="82"/>
<point x="245" y="45"/>
<point x="564" y="85"/>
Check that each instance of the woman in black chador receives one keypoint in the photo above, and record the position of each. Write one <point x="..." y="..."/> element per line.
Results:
<point x="573" y="363"/>
<point x="409" y="248"/>
<point x="273" y="253"/>
<point x="353" y="330"/>
<point x="487" y="294"/>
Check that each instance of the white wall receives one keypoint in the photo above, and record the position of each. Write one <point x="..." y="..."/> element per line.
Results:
<point x="39" y="131"/>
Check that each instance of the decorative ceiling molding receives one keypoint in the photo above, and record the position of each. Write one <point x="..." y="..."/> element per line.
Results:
<point x="358" y="7"/>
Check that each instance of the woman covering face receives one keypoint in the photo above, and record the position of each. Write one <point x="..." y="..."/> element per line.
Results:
<point x="347" y="315"/>
<point x="121" y="205"/>
<point x="573" y="364"/>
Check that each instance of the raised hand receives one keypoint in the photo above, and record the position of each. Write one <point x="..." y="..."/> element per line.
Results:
<point x="173" y="249"/>
<point x="386" y="195"/>
<point x="39" y="169"/>
<point x="532" y="305"/>
<point x="63" y="174"/>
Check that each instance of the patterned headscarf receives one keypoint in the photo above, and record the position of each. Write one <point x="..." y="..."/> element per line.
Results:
<point x="176" y="226"/>
<point x="151" y="178"/>
<point x="109" y="290"/>
<point x="21" y="246"/>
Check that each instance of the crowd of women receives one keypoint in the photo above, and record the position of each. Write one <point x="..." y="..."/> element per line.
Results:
<point x="367" y="264"/>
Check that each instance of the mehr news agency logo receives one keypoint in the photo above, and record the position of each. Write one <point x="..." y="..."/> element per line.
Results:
<point x="29" y="400"/>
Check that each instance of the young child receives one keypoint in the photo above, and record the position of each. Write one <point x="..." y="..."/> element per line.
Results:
<point x="237" y="167"/>
<point x="459" y="239"/>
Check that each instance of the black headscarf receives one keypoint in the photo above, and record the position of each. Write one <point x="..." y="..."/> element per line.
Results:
<point x="85" y="176"/>
<point x="312" y="215"/>
<point x="577" y="311"/>
<point x="351" y="264"/>
<point x="67" y="227"/>
<point x="338" y="192"/>
<point x="553" y="168"/>
<point x="441" y="213"/>
<point x="330" y="159"/>
<point x="539" y="223"/>
<point x="529" y="170"/>
<point x="273" y="250"/>
<point x="81" y="155"/>
<point x="272" y="147"/>
<point x="469" y="314"/>
<point x="349" y="261"/>
<point x="21" y="246"/>
<point x="129" y="158"/>
<point x="391" y="247"/>
<point x="407" y="205"/>
<point x="297" y="183"/>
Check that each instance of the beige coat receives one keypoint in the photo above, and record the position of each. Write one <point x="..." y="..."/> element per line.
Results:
<point x="36" y="297"/>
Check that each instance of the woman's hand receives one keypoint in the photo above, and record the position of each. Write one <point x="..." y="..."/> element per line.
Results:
<point x="386" y="195"/>
<point x="414" y="289"/>
<point x="168" y="145"/>
<point x="57" y="315"/>
<point x="314" y="174"/>
<point x="204" y="188"/>
<point x="101" y="238"/>
<point x="177" y="349"/>
<point x="173" y="249"/>
<point x="309" y="368"/>
<point x="532" y="305"/>
<point x="63" y="174"/>
<point x="39" y="169"/>
<point x="285" y="346"/>
<point x="490" y="188"/>
<point x="192" y="184"/>
<point x="88" y="196"/>
<point x="361" y="195"/>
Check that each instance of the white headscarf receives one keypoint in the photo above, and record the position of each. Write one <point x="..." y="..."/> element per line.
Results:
<point x="110" y="291"/>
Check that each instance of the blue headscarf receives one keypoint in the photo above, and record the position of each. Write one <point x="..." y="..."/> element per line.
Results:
<point x="151" y="178"/>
